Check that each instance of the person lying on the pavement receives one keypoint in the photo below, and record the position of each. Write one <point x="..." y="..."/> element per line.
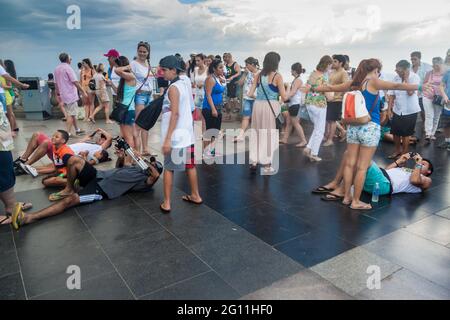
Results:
<point x="92" y="148"/>
<point x="95" y="185"/>
<point x="395" y="178"/>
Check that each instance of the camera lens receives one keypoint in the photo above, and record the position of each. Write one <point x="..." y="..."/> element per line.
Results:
<point x="152" y="159"/>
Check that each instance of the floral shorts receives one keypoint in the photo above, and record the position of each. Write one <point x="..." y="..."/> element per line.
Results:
<point x="367" y="135"/>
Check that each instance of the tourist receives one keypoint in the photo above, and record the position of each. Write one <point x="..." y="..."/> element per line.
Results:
<point x="67" y="88"/>
<point x="101" y="93"/>
<point x="316" y="104"/>
<point x="95" y="185"/>
<point x="199" y="78"/>
<point x="404" y="106"/>
<point x="125" y="95"/>
<point x="445" y="92"/>
<point x="295" y="101"/>
<point x="421" y="69"/>
<point x="177" y="133"/>
<point x="251" y="70"/>
<point x="10" y="94"/>
<point x="431" y="87"/>
<point x="233" y="72"/>
<point x="267" y="88"/>
<point x="334" y="106"/>
<point x="144" y="84"/>
<point x="86" y="75"/>
<point x="213" y="105"/>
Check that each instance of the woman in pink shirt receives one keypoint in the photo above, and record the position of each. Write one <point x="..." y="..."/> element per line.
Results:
<point x="431" y="85"/>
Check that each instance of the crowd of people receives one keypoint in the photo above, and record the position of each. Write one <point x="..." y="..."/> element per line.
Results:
<point x="207" y="88"/>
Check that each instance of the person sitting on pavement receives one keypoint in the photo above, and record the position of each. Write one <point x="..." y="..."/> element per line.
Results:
<point x="92" y="148"/>
<point x="395" y="178"/>
<point x="95" y="185"/>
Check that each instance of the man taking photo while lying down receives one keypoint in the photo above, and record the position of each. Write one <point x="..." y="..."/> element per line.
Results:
<point x="395" y="178"/>
<point x="95" y="185"/>
<point x="92" y="148"/>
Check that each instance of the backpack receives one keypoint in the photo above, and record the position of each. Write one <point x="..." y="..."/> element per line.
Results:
<point x="354" y="109"/>
<point x="92" y="84"/>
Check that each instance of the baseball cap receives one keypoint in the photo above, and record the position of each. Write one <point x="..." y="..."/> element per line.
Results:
<point x="171" y="62"/>
<point x="112" y="53"/>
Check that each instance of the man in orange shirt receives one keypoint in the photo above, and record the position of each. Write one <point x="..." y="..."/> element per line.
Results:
<point x="61" y="154"/>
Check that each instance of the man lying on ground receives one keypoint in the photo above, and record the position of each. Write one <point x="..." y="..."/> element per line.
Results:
<point x="96" y="185"/>
<point x="91" y="148"/>
<point x="396" y="178"/>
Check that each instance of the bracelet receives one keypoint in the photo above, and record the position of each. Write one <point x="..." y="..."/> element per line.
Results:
<point x="396" y="163"/>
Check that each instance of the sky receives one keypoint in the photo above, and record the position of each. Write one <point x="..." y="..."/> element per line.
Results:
<point x="33" y="33"/>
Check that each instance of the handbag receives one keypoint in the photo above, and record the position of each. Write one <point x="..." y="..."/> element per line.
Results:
<point x="148" y="117"/>
<point x="279" y="120"/>
<point x="438" y="100"/>
<point x="120" y="110"/>
<point x="92" y="84"/>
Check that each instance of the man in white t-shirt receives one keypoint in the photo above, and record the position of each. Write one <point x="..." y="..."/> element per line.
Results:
<point x="113" y="78"/>
<point x="403" y="109"/>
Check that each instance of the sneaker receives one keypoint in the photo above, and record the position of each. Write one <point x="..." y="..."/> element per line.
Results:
<point x="18" y="171"/>
<point x="269" y="171"/>
<point x="80" y="132"/>
<point x="19" y="160"/>
<point x="314" y="158"/>
<point x="29" y="169"/>
<point x="433" y="138"/>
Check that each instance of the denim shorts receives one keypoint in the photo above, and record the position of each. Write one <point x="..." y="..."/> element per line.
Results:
<point x="3" y="101"/>
<point x="143" y="99"/>
<point x="247" y="108"/>
<point x="129" y="118"/>
<point x="367" y="135"/>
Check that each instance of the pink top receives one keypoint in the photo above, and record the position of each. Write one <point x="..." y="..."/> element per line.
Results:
<point x="65" y="78"/>
<point x="435" y="80"/>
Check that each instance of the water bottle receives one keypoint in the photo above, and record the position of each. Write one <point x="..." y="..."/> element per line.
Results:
<point x="376" y="192"/>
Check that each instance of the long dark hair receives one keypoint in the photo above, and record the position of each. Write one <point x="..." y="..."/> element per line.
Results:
<point x="121" y="61"/>
<point x="146" y="45"/>
<point x="365" y="67"/>
<point x="270" y="63"/>
<point x="88" y="62"/>
<point x="10" y="68"/>
<point x="213" y="66"/>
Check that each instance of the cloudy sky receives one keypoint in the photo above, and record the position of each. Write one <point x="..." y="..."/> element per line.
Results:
<point x="34" y="32"/>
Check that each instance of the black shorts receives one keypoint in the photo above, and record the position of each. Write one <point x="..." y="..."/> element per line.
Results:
<point x="89" y="191"/>
<point x="403" y="126"/>
<point x="293" y="110"/>
<point x="87" y="174"/>
<point x="210" y="121"/>
<point x="445" y="120"/>
<point x="334" y="111"/>
<point x="232" y="89"/>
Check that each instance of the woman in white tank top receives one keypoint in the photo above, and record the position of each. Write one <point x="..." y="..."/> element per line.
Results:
<point x="295" y="97"/>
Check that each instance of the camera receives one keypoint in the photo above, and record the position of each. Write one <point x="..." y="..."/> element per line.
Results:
<point x="123" y="145"/>
<point x="412" y="154"/>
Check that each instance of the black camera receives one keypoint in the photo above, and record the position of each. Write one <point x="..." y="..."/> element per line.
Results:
<point x="121" y="143"/>
<point x="412" y="154"/>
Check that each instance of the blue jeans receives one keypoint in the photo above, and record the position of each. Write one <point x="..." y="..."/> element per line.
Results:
<point x="247" y="108"/>
<point x="143" y="99"/>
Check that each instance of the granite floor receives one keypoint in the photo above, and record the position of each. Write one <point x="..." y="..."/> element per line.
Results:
<point x="255" y="237"/>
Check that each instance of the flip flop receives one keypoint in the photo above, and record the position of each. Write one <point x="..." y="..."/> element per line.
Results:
<point x="188" y="199"/>
<point x="17" y="216"/>
<point x="7" y="216"/>
<point x="331" y="197"/>
<point x="322" y="189"/>
<point x="164" y="210"/>
<point x="367" y="207"/>
<point x="26" y="205"/>
<point x="57" y="196"/>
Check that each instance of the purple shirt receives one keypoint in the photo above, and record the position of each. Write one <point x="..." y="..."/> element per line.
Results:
<point x="65" y="78"/>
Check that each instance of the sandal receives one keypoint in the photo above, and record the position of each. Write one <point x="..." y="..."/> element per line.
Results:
<point x="17" y="216"/>
<point x="331" y="197"/>
<point x="58" y="196"/>
<point x="322" y="189"/>
<point x="164" y="210"/>
<point x="7" y="216"/>
<point x="188" y="199"/>
<point x="301" y="145"/>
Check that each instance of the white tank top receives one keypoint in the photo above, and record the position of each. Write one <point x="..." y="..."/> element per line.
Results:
<point x="297" y="98"/>
<point x="400" y="178"/>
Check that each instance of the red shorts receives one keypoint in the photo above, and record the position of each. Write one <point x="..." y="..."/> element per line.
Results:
<point x="43" y="138"/>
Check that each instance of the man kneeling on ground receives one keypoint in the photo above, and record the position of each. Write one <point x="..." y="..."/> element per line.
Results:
<point x="96" y="185"/>
<point x="396" y="178"/>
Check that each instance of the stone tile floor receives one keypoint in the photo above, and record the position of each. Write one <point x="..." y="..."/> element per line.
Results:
<point x="255" y="237"/>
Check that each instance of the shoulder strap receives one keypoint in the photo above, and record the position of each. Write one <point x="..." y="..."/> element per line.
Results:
<point x="267" y="98"/>
<point x="375" y="102"/>
<point x="274" y="77"/>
